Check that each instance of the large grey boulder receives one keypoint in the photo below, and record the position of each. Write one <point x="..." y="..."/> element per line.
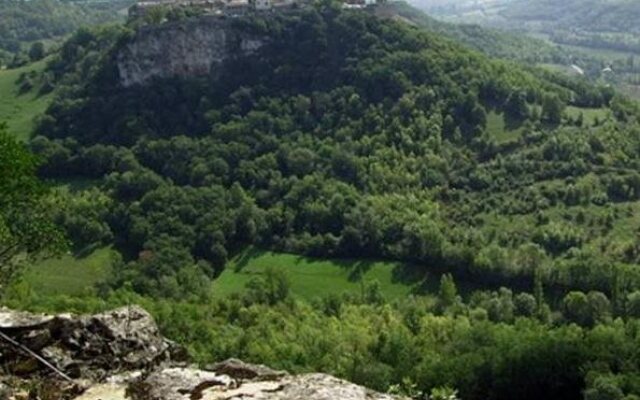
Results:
<point x="175" y="383"/>
<point x="11" y="319"/>
<point x="189" y="384"/>
<point x="89" y="347"/>
<point x="301" y="387"/>
<point x="120" y="355"/>
<point x="240" y="370"/>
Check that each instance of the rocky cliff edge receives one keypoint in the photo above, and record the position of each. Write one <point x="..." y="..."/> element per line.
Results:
<point x="120" y="355"/>
<point x="191" y="48"/>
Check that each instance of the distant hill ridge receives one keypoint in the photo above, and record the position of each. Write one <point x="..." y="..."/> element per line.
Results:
<point x="259" y="49"/>
<point x="588" y="15"/>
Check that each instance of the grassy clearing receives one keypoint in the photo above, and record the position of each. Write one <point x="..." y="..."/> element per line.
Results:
<point x="558" y="68"/>
<point x="70" y="275"/>
<point x="499" y="129"/>
<point x="17" y="109"/>
<point x="312" y="278"/>
<point x="589" y="114"/>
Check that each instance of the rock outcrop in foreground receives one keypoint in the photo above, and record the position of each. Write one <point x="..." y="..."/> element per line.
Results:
<point x="121" y="355"/>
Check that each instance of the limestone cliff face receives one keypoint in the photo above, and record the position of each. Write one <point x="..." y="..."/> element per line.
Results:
<point x="191" y="48"/>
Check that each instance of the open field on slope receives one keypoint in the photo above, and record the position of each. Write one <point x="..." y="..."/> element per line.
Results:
<point x="311" y="278"/>
<point x="500" y="130"/>
<point x="70" y="275"/>
<point x="590" y="115"/>
<point x="17" y="109"/>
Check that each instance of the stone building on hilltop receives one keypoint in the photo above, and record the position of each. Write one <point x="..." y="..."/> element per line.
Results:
<point x="223" y="7"/>
<point x="142" y="7"/>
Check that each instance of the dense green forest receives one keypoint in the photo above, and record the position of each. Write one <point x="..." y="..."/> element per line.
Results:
<point x="377" y="146"/>
<point x="350" y="136"/>
<point x="25" y="23"/>
<point x="26" y="227"/>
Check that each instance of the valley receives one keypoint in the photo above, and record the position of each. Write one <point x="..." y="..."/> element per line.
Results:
<point x="598" y="36"/>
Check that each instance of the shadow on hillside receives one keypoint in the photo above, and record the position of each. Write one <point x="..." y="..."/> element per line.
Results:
<point x="85" y="251"/>
<point x="356" y="268"/>
<point x="511" y="123"/>
<point x="402" y="273"/>
<point x="245" y="258"/>
<point x="420" y="277"/>
<point x="409" y="274"/>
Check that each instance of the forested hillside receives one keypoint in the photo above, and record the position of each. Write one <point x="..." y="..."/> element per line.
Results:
<point x="530" y="50"/>
<point x="598" y="36"/>
<point x="25" y="22"/>
<point x="308" y="145"/>
<point x="353" y="137"/>
<point x="492" y="42"/>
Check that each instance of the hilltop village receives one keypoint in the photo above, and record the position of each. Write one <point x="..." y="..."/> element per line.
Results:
<point x="234" y="7"/>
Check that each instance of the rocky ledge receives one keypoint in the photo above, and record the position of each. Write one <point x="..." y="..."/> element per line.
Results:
<point x="196" y="47"/>
<point x="121" y="355"/>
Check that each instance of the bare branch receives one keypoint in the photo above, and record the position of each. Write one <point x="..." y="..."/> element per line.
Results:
<point x="34" y="355"/>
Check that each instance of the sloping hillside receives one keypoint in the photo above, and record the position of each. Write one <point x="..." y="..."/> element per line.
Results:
<point x="492" y="42"/>
<point x="24" y="22"/>
<point x="336" y="134"/>
<point x="596" y="36"/>
<point x="342" y="135"/>
<point x="619" y="16"/>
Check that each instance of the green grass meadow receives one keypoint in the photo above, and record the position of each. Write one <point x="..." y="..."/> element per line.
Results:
<point x="590" y="115"/>
<point x="17" y="109"/>
<point x="310" y="278"/>
<point x="500" y="130"/>
<point x="313" y="278"/>
<point x="70" y="275"/>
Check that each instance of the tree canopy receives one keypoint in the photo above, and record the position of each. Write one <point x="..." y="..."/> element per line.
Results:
<point x="26" y="225"/>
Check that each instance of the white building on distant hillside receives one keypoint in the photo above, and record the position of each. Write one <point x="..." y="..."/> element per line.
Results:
<point x="577" y="69"/>
<point x="236" y="7"/>
<point x="225" y="7"/>
<point x="357" y="4"/>
<point x="142" y="6"/>
<point x="263" y="5"/>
